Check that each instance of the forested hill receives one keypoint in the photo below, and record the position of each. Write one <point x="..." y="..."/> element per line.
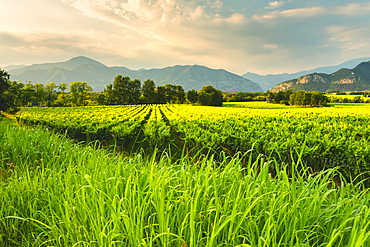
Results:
<point x="356" y="79"/>
<point x="98" y="75"/>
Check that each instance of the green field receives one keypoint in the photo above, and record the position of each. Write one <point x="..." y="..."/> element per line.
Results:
<point x="336" y="136"/>
<point x="246" y="174"/>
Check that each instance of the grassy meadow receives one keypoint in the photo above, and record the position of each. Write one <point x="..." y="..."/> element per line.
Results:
<point x="59" y="192"/>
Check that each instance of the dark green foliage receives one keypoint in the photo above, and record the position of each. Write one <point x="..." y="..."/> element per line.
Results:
<point x="161" y="96"/>
<point x="281" y="97"/>
<point x="4" y="80"/>
<point x="120" y="90"/>
<point x="6" y="99"/>
<point x="244" y="96"/>
<point x="192" y="96"/>
<point x="125" y="91"/>
<point x="148" y="91"/>
<point x="79" y="93"/>
<point x="210" y="96"/>
<point x="175" y="93"/>
<point x="299" y="98"/>
<point x="135" y="91"/>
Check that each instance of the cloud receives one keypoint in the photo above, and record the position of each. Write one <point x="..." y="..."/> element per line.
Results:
<point x="353" y="9"/>
<point x="236" y="18"/>
<point x="9" y="40"/>
<point x="147" y="11"/>
<point x="53" y="41"/>
<point x="294" y="13"/>
<point x="182" y="29"/>
<point x="161" y="21"/>
<point x="349" y="38"/>
<point x="271" y="46"/>
<point x="275" y="5"/>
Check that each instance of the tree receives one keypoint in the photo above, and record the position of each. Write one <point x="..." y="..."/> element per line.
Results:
<point x="79" y="92"/>
<point x="180" y="94"/>
<point x="134" y="91"/>
<point x="318" y="99"/>
<point x="6" y="99"/>
<point x="62" y="95"/>
<point x="204" y="98"/>
<point x="4" y="81"/>
<point x="16" y="89"/>
<point x="121" y="90"/>
<point x="298" y="98"/>
<point x="100" y="98"/>
<point x="51" y="95"/>
<point x="148" y="91"/>
<point x="109" y="95"/>
<point x="38" y="93"/>
<point x="303" y="98"/>
<point x="192" y="96"/>
<point x="210" y="96"/>
<point x="170" y="93"/>
<point x="161" y="95"/>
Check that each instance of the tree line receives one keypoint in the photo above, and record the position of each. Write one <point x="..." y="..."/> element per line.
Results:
<point x="356" y="99"/>
<point x="123" y="90"/>
<point x="299" y="98"/>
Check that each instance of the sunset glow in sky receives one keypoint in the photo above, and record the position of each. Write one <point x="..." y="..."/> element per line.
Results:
<point x="237" y="35"/>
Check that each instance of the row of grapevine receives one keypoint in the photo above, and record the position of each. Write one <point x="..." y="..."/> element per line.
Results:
<point x="328" y="142"/>
<point x="91" y="123"/>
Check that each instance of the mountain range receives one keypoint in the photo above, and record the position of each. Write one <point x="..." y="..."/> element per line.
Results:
<point x="356" y="79"/>
<point x="267" y="82"/>
<point x="98" y="75"/>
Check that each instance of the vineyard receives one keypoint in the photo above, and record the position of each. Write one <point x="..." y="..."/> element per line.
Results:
<point x="336" y="136"/>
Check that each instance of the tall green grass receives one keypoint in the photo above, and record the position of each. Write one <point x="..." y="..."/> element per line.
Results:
<point x="56" y="193"/>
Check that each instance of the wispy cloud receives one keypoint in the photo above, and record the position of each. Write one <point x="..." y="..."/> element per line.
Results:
<point x="349" y="38"/>
<point x="352" y="9"/>
<point x="293" y="13"/>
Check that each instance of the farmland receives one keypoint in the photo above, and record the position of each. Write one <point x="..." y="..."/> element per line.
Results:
<point x="325" y="137"/>
<point x="249" y="174"/>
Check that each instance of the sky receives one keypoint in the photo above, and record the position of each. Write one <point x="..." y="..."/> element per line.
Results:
<point x="260" y="36"/>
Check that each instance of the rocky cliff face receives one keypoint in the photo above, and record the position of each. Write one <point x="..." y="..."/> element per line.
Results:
<point x="312" y="78"/>
<point x="283" y="86"/>
<point x="357" y="79"/>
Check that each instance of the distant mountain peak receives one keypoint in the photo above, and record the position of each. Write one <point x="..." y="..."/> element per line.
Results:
<point x="85" y="60"/>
